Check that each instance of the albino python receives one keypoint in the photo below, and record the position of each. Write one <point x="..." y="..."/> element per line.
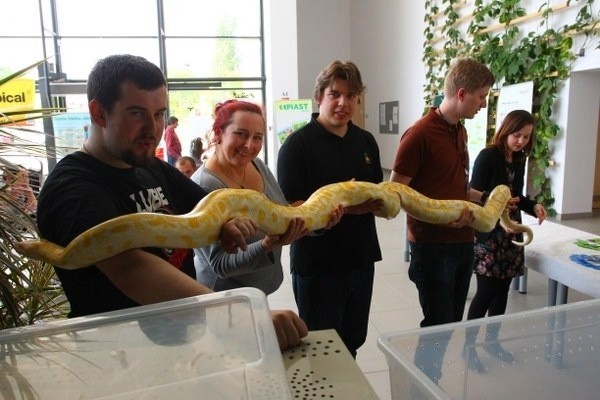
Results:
<point x="202" y="225"/>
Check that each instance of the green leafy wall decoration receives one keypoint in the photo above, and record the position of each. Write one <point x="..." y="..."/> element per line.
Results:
<point x="544" y="56"/>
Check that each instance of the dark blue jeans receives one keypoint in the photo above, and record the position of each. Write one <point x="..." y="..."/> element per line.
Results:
<point x="442" y="274"/>
<point x="339" y="301"/>
<point x="171" y="160"/>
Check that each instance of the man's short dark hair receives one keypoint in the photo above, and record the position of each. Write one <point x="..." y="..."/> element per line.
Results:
<point x="105" y="79"/>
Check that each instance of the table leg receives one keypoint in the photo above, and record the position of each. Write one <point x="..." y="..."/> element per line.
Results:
<point x="520" y="283"/>
<point x="562" y="293"/>
<point x="523" y="282"/>
<point x="552" y="287"/>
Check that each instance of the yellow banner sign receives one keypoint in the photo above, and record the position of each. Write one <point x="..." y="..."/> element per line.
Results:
<point x="17" y="95"/>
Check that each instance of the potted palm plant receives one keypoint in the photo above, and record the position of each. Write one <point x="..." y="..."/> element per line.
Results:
<point x="29" y="291"/>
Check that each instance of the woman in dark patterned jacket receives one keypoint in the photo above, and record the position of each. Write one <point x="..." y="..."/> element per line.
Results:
<point x="497" y="259"/>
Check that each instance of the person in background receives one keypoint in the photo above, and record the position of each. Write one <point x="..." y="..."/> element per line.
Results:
<point x="332" y="274"/>
<point x="19" y="190"/>
<point x="238" y="136"/>
<point x="497" y="259"/>
<point x="432" y="158"/>
<point x="116" y="173"/>
<point x="186" y="165"/>
<point x="197" y="151"/>
<point x="172" y="142"/>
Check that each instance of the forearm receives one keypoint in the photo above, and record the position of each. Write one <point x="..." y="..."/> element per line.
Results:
<point x="396" y="177"/>
<point x="227" y="265"/>
<point x="527" y="205"/>
<point x="478" y="196"/>
<point x="148" y="279"/>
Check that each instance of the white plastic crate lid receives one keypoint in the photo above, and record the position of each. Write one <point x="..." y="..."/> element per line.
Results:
<point x="217" y="346"/>
<point x="556" y="354"/>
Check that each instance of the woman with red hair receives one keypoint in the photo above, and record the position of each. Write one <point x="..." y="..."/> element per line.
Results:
<point x="237" y="139"/>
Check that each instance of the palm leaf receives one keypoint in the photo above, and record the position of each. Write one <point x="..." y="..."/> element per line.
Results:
<point x="29" y="290"/>
<point x="39" y="113"/>
<point x="17" y="74"/>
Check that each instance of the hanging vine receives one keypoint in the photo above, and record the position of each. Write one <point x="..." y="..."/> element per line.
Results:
<point x="513" y="56"/>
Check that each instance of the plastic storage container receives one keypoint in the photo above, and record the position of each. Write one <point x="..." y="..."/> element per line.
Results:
<point x="217" y="346"/>
<point x="551" y="353"/>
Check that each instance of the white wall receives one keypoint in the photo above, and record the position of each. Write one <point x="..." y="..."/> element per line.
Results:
<point x="323" y="36"/>
<point x="281" y="63"/>
<point x="579" y="144"/>
<point x="387" y="45"/>
<point x="301" y="37"/>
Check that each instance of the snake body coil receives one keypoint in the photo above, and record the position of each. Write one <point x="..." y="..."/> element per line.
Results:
<point x="202" y="226"/>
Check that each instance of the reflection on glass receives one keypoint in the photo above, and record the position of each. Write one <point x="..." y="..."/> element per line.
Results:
<point x="80" y="55"/>
<point x="21" y="18"/>
<point x="213" y="57"/>
<point x="113" y="18"/>
<point x="243" y="15"/>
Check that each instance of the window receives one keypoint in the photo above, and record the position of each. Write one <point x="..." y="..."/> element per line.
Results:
<point x="210" y="51"/>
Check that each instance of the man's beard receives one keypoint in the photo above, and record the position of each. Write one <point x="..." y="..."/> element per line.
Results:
<point x="137" y="160"/>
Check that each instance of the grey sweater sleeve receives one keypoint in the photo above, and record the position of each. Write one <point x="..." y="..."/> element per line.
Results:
<point x="226" y="265"/>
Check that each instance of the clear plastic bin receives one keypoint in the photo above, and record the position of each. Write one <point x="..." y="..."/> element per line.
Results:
<point x="551" y="353"/>
<point x="217" y="346"/>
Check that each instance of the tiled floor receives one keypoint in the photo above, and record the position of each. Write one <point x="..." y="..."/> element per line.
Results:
<point x="395" y="304"/>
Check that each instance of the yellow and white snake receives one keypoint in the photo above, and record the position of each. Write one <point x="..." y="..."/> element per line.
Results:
<point x="202" y="226"/>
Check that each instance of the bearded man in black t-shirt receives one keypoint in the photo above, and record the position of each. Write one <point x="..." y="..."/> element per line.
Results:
<point x="116" y="173"/>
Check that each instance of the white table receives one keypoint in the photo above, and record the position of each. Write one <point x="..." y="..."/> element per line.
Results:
<point x="549" y="254"/>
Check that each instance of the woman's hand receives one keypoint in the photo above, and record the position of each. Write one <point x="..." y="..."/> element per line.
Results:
<point x="234" y="233"/>
<point x="540" y="213"/>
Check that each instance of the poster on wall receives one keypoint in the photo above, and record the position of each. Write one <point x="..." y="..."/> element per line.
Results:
<point x="290" y="115"/>
<point x="477" y="132"/>
<point x="514" y="97"/>
<point x="388" y="117"/>
<point x="70" y="130"/>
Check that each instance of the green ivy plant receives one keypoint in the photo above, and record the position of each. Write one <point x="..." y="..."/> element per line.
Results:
<point x="544" y="57"/>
